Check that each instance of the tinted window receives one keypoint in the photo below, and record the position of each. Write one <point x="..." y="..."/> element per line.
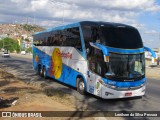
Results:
<point x="126" y="67"/>
<point x="71" y="37"/>
<point x="53" y="38"/>
<point x="40" y="40"/>
<point x="66" y="37"/>
<point x="96" y="61"/>
<point x="90" y="34"/>
<point x="112" y="36"/>
<point x="121" y="37"/>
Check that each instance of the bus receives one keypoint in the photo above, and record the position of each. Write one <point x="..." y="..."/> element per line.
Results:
<point x="102" y="58"/>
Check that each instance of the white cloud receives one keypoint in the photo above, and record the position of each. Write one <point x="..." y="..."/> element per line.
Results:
<point x="152" y="32"/>
<point x="124" y="11"/>
<point x="38" y="4"/>
<point x="49" y="13"/>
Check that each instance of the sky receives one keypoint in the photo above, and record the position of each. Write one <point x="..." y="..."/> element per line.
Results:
<point x="142" y="14"/>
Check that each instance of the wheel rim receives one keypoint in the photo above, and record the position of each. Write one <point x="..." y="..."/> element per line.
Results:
<point x="81" y="86"/>
<point x="41" y="72"/>
<point x="44" y="73"/>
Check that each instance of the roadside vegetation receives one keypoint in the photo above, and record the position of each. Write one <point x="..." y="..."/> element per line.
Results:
<point x="29" y="50"/>
<point x="9" y="44"/>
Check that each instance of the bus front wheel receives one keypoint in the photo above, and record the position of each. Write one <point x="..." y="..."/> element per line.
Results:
<point x="81" y="86"/>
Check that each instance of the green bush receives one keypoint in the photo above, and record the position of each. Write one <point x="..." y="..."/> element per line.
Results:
<point x="29" y="50"/>
<point x="10" y="44"/>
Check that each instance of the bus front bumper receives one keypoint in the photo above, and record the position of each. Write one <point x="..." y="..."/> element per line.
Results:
<point x="108" y="93"/>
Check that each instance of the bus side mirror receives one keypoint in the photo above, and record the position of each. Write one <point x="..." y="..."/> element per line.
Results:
<point x="152" y="52"/>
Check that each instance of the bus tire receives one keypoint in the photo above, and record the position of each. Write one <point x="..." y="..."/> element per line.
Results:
<point x="44" y="72"/>
<point x="39" y="69"/>
<point x="81" y="86"/>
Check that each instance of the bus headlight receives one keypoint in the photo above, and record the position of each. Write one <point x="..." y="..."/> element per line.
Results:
<point x="107" y="85"/>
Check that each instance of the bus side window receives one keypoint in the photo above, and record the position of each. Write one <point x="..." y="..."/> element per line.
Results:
<point x="72" y="38"/>
<point x="96" y="62"/>
<point x="76" y="38"/>
<point x="43" y="42"/>
<point x="49" y="41"/>
<point x="87" y="35"/>
<point x="95" y="34"/>
<point x="61" y="38"/>
<point x="57" y="39"/>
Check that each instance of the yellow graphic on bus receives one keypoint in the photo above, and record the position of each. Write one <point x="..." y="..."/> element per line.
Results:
<point x="56" y="63"/>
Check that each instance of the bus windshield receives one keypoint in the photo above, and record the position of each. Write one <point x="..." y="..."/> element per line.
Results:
<point x="112" y="36"/>
<point x="120" y="37"/>
<point x="127" y="67"/>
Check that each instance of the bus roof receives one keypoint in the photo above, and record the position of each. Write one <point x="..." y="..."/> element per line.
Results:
<point x="101" y="23"/>
<point x="60" y="28"/>
<point x="111" y="24"/>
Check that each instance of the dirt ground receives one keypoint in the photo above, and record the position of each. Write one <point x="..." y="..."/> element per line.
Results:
<point x="152" y="72"/>
<point x="31" y="98"/>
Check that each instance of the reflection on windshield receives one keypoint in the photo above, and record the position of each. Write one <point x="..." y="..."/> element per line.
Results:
<point x="112" y="36"/>
<point x="125" y="66"/>
<point x="121" y="37"/>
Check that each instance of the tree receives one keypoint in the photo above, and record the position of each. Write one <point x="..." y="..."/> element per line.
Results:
<point x="9" y="44"/>
<point x="29" y="50"/>
<point x="26" y="39"/>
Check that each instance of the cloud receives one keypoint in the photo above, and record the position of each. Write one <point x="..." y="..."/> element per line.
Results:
<point x="76" y="10"/>
<point x="152" y="32"/>
<point x="51" y="13"/>
<point x="117" y="4"/>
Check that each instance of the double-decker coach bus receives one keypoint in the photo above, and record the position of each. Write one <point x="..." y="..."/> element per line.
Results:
<point x="104" y="59"/>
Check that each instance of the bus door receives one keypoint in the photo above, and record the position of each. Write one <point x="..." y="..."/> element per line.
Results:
<point x="96" y="70"/>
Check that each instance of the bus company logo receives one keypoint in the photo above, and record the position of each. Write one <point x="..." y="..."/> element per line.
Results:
<point x="98" y="85"/>
<point x="6" y="114"/>
<point x="91" y="89"/>
<point x="64" y="55"/>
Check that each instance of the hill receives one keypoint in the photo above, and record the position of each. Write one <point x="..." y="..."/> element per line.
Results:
<point x="18" y="30"/>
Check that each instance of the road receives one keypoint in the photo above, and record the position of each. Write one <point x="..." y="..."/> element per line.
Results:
<point x="22" y="67"/>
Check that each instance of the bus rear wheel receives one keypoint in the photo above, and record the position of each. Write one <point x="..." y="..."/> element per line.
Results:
<point x="39" y="70"/>
<point x="81" y="86"/>
<point x="44" y="72"/>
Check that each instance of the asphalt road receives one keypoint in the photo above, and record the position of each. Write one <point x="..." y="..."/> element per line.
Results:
<point x="22" y="67"/>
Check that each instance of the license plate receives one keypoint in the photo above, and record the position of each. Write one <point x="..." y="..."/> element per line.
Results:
<point x="128" y="94"/>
